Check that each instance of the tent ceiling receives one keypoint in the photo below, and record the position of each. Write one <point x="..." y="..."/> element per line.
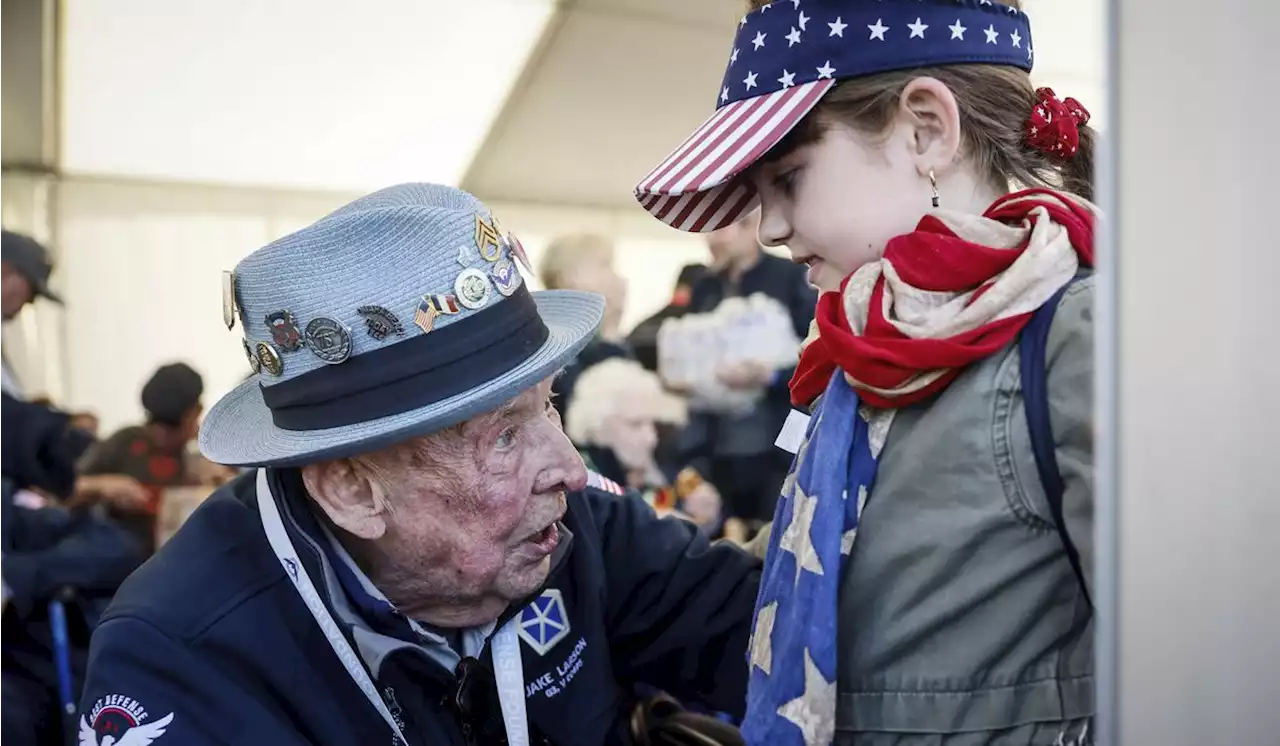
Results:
<point x="562" y="102"/>
<point x="311" y="94"/>
<point x="616" y="84"/>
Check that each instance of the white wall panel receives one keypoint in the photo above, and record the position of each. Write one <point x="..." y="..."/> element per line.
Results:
<point x="1197" y="398"/>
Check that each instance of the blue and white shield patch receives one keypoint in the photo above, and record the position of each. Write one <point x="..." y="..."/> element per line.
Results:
<point x="544" y="622"/>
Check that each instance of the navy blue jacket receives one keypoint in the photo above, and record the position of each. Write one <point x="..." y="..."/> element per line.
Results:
<point x="212" y="631"/>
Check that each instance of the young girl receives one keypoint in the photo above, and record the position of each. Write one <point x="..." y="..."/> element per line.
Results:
<point x="929" y="569"/>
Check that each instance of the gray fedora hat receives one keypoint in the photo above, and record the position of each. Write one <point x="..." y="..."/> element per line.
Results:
<point x="396" y="316"/>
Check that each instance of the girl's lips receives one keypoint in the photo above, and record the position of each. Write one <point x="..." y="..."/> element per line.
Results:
<point x="815" y="265"/>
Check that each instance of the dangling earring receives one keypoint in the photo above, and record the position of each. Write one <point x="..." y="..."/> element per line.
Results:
<point x="933" y="184"/>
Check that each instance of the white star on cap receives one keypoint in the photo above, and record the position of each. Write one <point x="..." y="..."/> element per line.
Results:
<point x="788" y="79"/>
<point x="984" y="2"/>
<point x="837" y="28"/>
<point x="877" y="30"/>
<point x="1013" y="11"/>
<point x="1017" y="40"/>
<point x="743" y="22"/>
<point x="793" y="38"/>
<point x="796" y="538"/>
<point x="734" y="56"/>
<point x="803" y="20"/>
<point x="991" y="33"/>
<point x="957" y="31"/>
<point x="750" y="80"/>
<point x="762" y="638"/>
<point x="759" y="40"/>
<point x="917" y="28"/>
<point x="813" y="711"/>
<point x="795" y="4"/>
<point x="826" y="70"/>
<point x="724" y="94"/>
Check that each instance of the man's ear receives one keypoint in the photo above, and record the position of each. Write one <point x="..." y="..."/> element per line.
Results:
<point x="347" y="494"/>
<point x="929" y="109"/>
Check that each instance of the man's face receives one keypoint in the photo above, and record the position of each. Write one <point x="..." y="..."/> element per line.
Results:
<point x="471" y="517"/>
<point x="15" y="291"/>
<point x="734" y="243"/>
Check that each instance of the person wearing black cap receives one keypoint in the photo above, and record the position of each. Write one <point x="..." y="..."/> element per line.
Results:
<point x="154" y="453"/>
<point x="24" y="274"/>
<point x="26" y="269"/>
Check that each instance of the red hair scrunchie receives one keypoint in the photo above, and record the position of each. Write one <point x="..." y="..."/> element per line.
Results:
<point x="1054" y="125"/>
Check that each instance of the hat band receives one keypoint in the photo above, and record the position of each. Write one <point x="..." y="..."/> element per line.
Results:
<point x="412" y="374"/>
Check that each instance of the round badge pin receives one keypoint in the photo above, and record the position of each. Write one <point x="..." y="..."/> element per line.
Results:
<point x="472" y="288"/>
<point x="329" y="340"/>
<point x="269" y="359"/>
<point x="505" y="276"/>
<point x="254" y="364"/>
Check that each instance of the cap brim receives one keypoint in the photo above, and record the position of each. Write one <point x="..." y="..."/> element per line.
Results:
<point x="239" y="431"/>
<point x="698" y="188"/>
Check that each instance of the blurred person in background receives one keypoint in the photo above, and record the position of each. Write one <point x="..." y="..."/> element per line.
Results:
<point x="24" y="275"/>
<point x="928" y="578"/>
<point x="417" y="557"/>
<point x="613" y="419"/>
<point x="644" y="338"/>
<point x="736" y="452"/>
<point x="585" y="261"/>
<point x="154" y="453"/>
<point x="54" y="549"/>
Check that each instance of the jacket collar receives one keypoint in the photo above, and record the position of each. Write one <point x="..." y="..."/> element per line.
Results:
<point x="374" y="625"/>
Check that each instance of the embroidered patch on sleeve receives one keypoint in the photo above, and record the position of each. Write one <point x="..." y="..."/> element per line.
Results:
<point x="122" y="721"/>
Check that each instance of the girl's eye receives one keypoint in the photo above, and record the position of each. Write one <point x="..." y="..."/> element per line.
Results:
<point x="506" y="439"/>
<point x="785" y="181"/>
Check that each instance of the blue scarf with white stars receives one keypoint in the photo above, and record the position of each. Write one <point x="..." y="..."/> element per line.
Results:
<point x="791" y="695"/>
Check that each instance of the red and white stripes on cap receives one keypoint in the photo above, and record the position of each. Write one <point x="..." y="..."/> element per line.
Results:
<point x="698" y="188"/>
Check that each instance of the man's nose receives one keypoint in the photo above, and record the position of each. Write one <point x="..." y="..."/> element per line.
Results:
<point x="565" y="469"/>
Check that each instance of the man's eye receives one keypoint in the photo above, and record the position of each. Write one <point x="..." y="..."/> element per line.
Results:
<point x="506" y="439"/>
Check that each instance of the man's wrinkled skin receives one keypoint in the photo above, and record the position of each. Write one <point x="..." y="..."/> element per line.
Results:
<point x="454" y="526"/>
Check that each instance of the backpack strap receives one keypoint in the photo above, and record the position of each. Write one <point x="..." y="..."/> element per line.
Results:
<point x="1035" y="396"/>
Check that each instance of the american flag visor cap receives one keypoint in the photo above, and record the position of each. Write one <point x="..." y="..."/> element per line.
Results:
<point x="786" y="56"/>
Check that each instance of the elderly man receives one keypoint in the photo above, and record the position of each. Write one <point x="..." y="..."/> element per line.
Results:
<point x="418" y="558"/>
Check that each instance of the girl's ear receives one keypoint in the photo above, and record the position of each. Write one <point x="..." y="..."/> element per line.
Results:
<point x="929" y="110"/>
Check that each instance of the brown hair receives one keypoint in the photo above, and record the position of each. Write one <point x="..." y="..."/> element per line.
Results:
<point x="995" y="102"/>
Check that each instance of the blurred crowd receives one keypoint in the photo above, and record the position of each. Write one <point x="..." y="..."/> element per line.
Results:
<point x="683" y="409"/>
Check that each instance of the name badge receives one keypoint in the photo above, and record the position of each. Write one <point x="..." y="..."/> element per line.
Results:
<point x="792" y="433"/>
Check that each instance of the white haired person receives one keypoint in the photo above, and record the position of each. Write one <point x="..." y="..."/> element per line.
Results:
<point x="415" y="556"/>
<point x="585" y="261"/>
<point x="928" y="575"/>
<point x="614" y="417"/>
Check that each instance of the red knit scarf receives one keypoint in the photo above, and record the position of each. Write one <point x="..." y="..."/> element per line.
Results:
<point x="938" y="261"/>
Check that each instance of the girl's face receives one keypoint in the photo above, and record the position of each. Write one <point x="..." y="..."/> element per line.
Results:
<point x="836" y="202"/>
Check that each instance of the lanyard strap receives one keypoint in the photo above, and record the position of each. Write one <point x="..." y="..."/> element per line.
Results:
<point x="508" y="672"/>
<point x="294" y="568"/>
<point x="507" y="664"/>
